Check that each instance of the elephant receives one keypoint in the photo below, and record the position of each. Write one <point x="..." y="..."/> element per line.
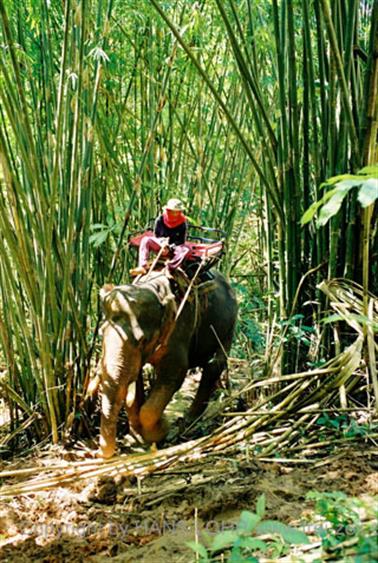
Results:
<point x="144" y="323"/>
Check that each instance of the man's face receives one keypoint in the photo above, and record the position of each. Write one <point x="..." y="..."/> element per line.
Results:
<point x="173" y="212"/>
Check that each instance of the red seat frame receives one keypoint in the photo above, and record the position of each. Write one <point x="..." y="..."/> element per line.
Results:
<point x="198" y="250"/>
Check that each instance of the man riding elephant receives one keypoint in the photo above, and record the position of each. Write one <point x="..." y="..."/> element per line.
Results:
<point x="170" y="231"/>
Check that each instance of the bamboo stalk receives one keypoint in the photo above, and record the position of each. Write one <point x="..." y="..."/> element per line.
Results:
<point x="341" y="75"/>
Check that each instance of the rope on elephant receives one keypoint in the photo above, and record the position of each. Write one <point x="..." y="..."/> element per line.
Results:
<point x="168" y="324"/>
<point x="190" y="287"/>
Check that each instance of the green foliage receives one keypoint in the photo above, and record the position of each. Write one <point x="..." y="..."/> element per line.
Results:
<point x="249" y="338"/>
<point x="366" y="183"/>
<point x="297" y="330"/>
<point x="242" y="545"/>
<point x="343" y="518"/>
<point x="101" y="232"/>
<point x="345" y="425"/>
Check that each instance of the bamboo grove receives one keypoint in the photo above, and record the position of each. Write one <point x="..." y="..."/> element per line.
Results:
<point x="107" y="108"/>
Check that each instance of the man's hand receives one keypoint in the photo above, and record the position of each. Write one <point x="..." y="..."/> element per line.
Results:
<point x="165" y="246"/>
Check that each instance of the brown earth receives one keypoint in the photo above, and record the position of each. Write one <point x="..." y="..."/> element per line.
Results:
<point x="151" y="520"/>
<point x="119" y="520"/>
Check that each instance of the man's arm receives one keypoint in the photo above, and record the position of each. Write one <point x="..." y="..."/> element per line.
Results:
<point x="182" y="233"/>
<point x="158" y="227"/>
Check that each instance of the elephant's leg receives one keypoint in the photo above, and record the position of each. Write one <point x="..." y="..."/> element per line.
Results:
<point x="113" y="396"/>
<point x="154" y="426"/>
<point x="210" y="375"/>
<point x="133" y="411"/>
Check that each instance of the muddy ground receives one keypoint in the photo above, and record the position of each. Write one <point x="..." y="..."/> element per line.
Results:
<point x="151" y="520"/>
<point x="104" y="520"/>
<point x="119" y="520"/>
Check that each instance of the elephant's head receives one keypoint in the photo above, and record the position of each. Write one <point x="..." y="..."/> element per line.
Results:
<point x="136" y="319"/>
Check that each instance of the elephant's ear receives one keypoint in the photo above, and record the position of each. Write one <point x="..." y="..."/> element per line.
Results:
<point x="115" y="302"/>
<point x="121" y="304"/>
<point x="134" y="324"/>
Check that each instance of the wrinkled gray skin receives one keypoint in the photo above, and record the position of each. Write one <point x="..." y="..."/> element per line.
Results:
<point x="137" y="317"/>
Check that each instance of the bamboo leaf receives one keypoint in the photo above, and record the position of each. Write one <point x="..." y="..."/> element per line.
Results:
<point x="98" y="227"/>
<point x="99" y="54"/>
<point x="97" y="239"/>
<point x="331" y="202"/>
<point x="309" y="214"/>
<point x="363" y="320"/>
<point x="370" y="170"/>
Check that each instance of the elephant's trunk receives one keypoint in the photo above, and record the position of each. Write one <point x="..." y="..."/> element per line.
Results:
<point x="112" y="399"/>
<point x="119" y="367"/>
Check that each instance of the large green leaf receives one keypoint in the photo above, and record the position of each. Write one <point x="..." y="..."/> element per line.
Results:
<point x="340" y="178"/>
<point x="371" y="170"/>
<point x="309" y="214"/>
<point x="224" y="539"/>
<point x="368" y="192"/>
<point x="260" y="506"/>
<point x="335" y="201"/>
<point x="253" y="544"/>
<point x="289" y="535"/>
<point x="367" y="182"/>
<point x="248" y="521"/>
<point x="200" y="549"/>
